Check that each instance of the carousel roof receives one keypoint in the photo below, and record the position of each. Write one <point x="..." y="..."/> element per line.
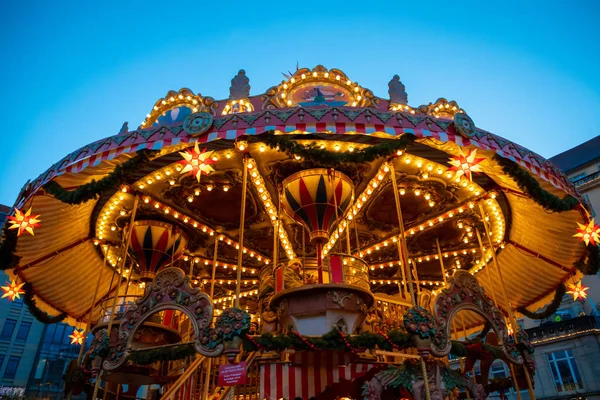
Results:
<point x="321" y="109"/>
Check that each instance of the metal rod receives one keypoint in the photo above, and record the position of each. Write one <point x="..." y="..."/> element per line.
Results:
<point x="118" y="285"/>
<point x="238" y="282"/>
<point x="212" y="292"/>
<point x="439" y="251"/>
<point x="513" y="320"/>
<point x="404" y="256"/>
<point x="87" y="328"/>
<point x="487" y="270"/>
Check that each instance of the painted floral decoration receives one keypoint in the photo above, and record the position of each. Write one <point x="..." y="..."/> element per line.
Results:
<point x="233" y="322"/>
<point x="419" y="321"/>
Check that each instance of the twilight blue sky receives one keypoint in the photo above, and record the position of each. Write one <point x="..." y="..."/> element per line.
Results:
<point x="73" y="72"/>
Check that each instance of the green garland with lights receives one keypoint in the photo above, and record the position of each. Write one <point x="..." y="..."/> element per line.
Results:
<point x="550" y="308"/>
<point x="120" y="175"/>
<point x="328" y="158"/>
<point x="38" y="314"/>
<point x="532" y="187"/>
<point x="334" y="340"/>
<point x="8" y="245"/>
<point x="589" y="264"/>
<point x="171" y="353"/>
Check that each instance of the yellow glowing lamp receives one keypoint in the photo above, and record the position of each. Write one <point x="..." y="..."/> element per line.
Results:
<point x="13" y="290"/>
<point x="196" y="162"/>
<point x="589" y="233"/>
<point x="465" y="164"/>
<point x="24" y="222"/>
<point x="578" y="291"/>
<point x="77" y="336"/>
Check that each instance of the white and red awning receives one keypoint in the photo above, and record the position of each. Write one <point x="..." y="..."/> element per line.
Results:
<point x="289" y="381"/>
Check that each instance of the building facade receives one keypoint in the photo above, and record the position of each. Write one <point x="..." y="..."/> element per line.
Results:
<point x="20" y="335"/>
<point x="567" y="344"/>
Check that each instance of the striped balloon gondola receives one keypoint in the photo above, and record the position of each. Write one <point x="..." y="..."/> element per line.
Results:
<point x="155" y="244"/>
<point x="317" y="198"/>
<point x="308" y="198"/>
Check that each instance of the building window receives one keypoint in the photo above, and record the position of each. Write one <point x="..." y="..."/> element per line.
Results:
<point x="578" y="177"/>
<point x="23" y="331"/>
<point x="11" y="367"/>
<point x="1" y="360"/>
<point x="564" y="371"/>
<point x="8" y="329"/>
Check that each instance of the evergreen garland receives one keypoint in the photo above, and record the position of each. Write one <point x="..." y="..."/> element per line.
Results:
<point x="334" y="340"/>
<point x="532" y="187"/>
<point x="8" y="245"/>
<point x="38" y="314"/>
<point x="171" y="353"/>
<point x="589" y="264"/>
<point x="550" y="308"/>
<point x="329" y="158"/>
<point x="93" y="189"/>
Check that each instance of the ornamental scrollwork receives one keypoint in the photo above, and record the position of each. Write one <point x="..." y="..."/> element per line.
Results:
<point x="171" y="290"/>
<point x="465" y="293"/>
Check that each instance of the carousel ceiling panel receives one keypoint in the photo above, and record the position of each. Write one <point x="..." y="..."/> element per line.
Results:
<point x="62" y="226"/>
<point x="527" y="278"/>
<point x="68" y="280"/>
<point x="548" y="234"/>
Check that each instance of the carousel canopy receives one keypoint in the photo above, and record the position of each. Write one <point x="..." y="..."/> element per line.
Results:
<point x="184" y="166"/>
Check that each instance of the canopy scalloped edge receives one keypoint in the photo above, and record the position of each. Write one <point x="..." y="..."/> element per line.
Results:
<point x="299" y="120"/>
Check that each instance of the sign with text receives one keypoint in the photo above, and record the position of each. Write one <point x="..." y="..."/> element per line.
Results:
<point x="232" y="374"/>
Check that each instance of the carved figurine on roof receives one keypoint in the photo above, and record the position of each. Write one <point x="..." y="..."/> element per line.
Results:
<point x="239" y="94"/>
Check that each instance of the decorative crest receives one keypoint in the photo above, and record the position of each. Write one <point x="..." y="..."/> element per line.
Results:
<point x="175" y="102"/>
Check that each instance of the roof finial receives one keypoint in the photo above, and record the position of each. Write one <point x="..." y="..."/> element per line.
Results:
<point x="397" y="91"/>
<point x="240" y="86"/>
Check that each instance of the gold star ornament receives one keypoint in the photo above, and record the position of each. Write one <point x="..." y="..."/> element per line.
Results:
<point x="77" y="337"/>
<point x="196" y="162"/>
<point x="578" y="291"/>
<point x="589" y="233"/>
<point x="13" y="290"/>
<point x="465" y="164"/>
<point x="24" y="222"/>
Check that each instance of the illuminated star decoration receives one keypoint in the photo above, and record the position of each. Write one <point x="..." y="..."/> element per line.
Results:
<point x="24" y="222"/>
<point x="464" y="164"/>
<point x="77" y="336"/>
<point x="13" y="290"/>
<point x="578" y="291"/>
<point x="196" y="162"/>
<point x="589" y="233"/>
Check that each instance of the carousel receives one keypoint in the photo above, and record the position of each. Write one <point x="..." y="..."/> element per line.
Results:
<point x="311" y="241"/>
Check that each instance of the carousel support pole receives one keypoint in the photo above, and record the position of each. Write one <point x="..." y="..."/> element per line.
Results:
<point x="403" y="253"/>
<point x="320" y="262"/>
<point x="439" y="251"/>
<point x="487" y="270"/>
<point x="337" y="217"/>
<point x="513" y="320"/>
<point x="87" y="328"/>
<point x="238" y="282"/>
<point x="348" y="249"/>
<point x="462" y="321"/>
<point x="118" y="285"/>
<point x="212" y="292"/>
<point x="415" y="274"/>
<point x="303" y="256"/>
